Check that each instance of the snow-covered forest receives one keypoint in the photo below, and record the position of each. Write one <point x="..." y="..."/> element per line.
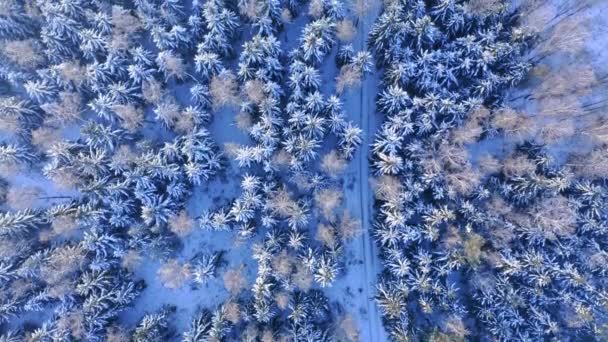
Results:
<point x="303" y="170"/>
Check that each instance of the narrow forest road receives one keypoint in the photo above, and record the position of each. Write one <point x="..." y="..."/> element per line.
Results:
<point x="355" y="289"/>
<point x="365" y="118"/>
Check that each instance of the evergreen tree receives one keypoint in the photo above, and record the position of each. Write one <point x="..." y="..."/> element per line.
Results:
<point x="154" y="327"/>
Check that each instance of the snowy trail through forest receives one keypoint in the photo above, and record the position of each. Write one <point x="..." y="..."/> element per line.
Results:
<point x="364" y="116"/>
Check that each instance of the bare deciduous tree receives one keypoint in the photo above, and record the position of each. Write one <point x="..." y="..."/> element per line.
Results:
<point x="569" y="36"/>
<point x="224" y="90"/>
<point x="64" y="226"/>
<point x="472" y="248"/>
<point x="234" y="280"/>
<point x="73" y="323"/>
<point x="302" y="278"/>
<point x="315" y="8"/>
<point x="484" y="7"/>
<point x="536" y="17"/>
<point x="345" y="30"/>
<point x="282" y="158"/>
<point x="518" y="166"/>
<point x="597" y="130"/>
<point x="65" y="179"/>
<point x="348" y="227"/>
<point x="250" y="8"/>
<point x="472" y="128"/>
<point x="233" y="311"/>
<point x="463" y="181"/>
<point x="489" y="165"/>
<point x="554" y="217"/>
<point x="20" y="198"/>
<point x="243" y="121"/>
<point x="152" y="91"/>
<point x="22" y="52"/>
<point x="131" y="117"/>
<point x="283" y="264"/>
<point x="72" y="72"/>
<point x="326" y="234"/>
<point x="66" y="110"/>
<point x="361" y="7"/>
<point x="282" y="203"/>
<point x="124" y="26"/>
<point x="9" y="123"/>
<point x="131" y="260"/>
<point x="452" y="157"/>
<point x="62" y="265"/>
<point x="171" y="65"/>
<point x="117" y="334"/>
<point x="350" y="77"/>
<point x="282" y="299"/>
<point x="254" y="89"/>
<point x="572" y="80"/>
<point x="286" y="16"/>
<point x="350" y="329"/>
<point x="456" y="328"/>
<point x="333" y="164"/>
<point x="181" y="224"/>
<point x="327" y="201"/>
<point x="44" y="137"/>
<point x="554" y="131"/>
<point x="186" y="122"/>
<point x="387" y="188"/>
<point x="516" y="125"/>
<point x="173" y="274"/>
